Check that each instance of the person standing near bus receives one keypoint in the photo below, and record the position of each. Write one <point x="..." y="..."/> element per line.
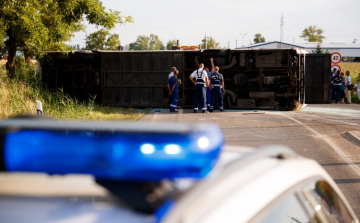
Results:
<point x="348" y="87"/>
<point x="201" y="81"/>
<point x="173" y="91"/>
<point x="217" y="88"/>
<point x="208" y="90"/>
<point x="336" y="87"/>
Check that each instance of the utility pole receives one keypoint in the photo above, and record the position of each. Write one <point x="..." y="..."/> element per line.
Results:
<point x="228" y="44"/>
<point x="242" y="35"/>
<point x="205" y="42"/>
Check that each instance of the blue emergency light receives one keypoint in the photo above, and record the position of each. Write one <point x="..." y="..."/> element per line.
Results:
<point x="130" y="151"/>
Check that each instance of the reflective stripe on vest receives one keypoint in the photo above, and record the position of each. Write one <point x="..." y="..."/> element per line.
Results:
<point x="215" y="79"/>
<point x="199" y="79"/>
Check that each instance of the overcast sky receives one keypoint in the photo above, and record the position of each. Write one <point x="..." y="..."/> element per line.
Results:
<point x="189" y="20"/>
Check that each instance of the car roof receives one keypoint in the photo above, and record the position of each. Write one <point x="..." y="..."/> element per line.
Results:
<point x="249" y="185"/>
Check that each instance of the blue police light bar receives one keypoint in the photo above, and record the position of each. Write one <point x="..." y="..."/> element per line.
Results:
<point x="122" y="151"/>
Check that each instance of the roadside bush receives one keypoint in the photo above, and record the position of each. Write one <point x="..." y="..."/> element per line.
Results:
<point x="18" y="95"/>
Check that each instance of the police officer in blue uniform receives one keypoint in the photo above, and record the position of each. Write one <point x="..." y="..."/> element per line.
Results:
<point x="217" y="88"/>
<point x="173" y="91"/>
<point x="201" y="81"/>
<point x="208" y="91"/>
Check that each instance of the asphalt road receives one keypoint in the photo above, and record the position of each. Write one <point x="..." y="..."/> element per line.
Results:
<point x="316" y="132"/>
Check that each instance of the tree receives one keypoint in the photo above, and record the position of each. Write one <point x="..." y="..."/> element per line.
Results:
<point x="170" y="44"/>
<point x="102" y="40"/>
<point x="259" y="38"/>
<point x="313" y="34"/>
<point x="113" y="42"/>
<point x="39" y="25"/>
<point x="143" y="42"/>
<point x="210" y="43"/>
<point x="319" y="50"/>
<point x="155" y="43"/>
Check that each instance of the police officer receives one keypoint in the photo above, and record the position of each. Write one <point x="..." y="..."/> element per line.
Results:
<point x="172" y="72"/>
<point x="170" y="75"/>
<point x="208" y="91"/>
<point x="201" y="81"/>
<point x="173" y="91"/>
<point x="217" y="87"/>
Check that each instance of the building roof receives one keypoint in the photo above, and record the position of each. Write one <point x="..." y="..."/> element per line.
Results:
<point x="310" y="45"/>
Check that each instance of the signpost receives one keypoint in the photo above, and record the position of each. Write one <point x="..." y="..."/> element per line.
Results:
<point x="335" y="58"/>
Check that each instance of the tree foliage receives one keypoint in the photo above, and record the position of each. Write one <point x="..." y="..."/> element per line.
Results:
<point x="38" y="25"/>
<point x="319" y="50"/>
<point x="143" y="42"/>
<point x="102" y="40"/>
<point x="170" y="44"/>
<point x="313" y="34"/>
<point x="210" y="43"/>
<point x="258" y="38"/>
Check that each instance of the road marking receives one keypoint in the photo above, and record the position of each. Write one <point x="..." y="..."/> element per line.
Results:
<point x="332" y="145"/>
<point x="329" y="119"/>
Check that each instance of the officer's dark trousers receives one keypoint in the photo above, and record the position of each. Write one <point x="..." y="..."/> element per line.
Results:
<point x="200" y="97"/>
<point x="208" y="96"/>
<point x="336" y="93"/>
<point x="216" y="92"/>
<point x="174" y="101"/>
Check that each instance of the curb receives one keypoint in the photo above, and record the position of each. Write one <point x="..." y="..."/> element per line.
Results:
<point x="352" y="136"/>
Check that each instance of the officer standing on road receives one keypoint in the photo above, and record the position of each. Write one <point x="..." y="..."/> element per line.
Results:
<point x="173" y="69"/>
<point x="201" y="81"/>
<point x="217" y="87"/>
<point x="208" y="91"/>
<point x="173" y="91"/>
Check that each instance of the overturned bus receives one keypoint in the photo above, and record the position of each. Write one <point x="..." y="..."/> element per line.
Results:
<point x="254" y="79"/>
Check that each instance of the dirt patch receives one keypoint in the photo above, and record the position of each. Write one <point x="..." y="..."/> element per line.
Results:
<point x="3" y="62"/>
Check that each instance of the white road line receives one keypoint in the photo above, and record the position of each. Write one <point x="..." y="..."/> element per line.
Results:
<point x="335" y="148"/>
<point x="330" y="119"/>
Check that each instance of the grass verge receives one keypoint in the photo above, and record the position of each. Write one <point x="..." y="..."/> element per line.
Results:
<point x="18" y="95"/>
<point x="353" y="67"/>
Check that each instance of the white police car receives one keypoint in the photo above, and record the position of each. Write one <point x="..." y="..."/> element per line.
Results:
<point x="171" y="173"/>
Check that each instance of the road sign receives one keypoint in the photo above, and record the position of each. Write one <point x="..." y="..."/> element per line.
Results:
<point x="335" y="58"/>
<point x="336" y="66"/>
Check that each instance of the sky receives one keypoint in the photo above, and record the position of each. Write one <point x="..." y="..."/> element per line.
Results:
<point x="224" y="20"/>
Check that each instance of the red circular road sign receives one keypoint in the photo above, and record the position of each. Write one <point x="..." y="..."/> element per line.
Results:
<point x="335" y="57"/>
<point x="336" y="66"/>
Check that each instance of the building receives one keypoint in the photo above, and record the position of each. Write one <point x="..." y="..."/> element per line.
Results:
<point x="348" y="51"/>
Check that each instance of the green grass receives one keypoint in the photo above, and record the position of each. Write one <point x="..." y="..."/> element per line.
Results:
<point x="18" y="95"/>
<point x="355" y="99"/>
